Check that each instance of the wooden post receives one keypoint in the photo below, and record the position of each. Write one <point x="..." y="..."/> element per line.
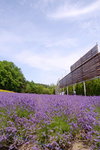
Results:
<point x="67" y="90"/>
<point x="63" y="91"/>
<point x="73" y="88"/>
<point x="74" y="92"/>
<point x="57" y="89"/>
<point x="84" y="88"/>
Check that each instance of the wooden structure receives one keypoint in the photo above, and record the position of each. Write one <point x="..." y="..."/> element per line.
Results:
<point x="86" y="68"/>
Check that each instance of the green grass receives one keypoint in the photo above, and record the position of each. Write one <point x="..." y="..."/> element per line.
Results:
<point x="3" y="118"/>
<point x="97" y="110"/>
<point x="21" y="112"/>
<point x="58" y="125"/>
<point x="97" y="127"/>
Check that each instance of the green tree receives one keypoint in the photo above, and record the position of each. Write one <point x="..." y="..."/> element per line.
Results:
<point x="37" y="88"/>
<point x="79" y="89"/>
<point x="93" y="87"/>
<point x="11" y="77"/>
<point x="70" y="88"/>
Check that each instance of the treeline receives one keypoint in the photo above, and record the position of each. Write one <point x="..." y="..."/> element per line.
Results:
<point x="12" y="78"/>
<point x="92" y="88"/>
<point x="37" y="88"/>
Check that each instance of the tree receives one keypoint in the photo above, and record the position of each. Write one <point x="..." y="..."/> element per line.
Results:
<point x="37" y="88"/>
<point x="11" y="77"/>
<point x="30" y="87"/>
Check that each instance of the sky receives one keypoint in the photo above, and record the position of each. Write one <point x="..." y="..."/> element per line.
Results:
<point x="45" y="37"/>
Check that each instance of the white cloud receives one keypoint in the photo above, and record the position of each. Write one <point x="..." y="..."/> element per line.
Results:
<point x="73" y="10"/>
<point x="54" y="65"/>
<point x="46" y="62"/>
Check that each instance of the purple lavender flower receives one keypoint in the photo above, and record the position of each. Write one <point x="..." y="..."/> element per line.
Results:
<point x="30" y="117"/>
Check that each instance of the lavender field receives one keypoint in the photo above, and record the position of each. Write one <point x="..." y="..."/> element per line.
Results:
<point x="48" y="122"/>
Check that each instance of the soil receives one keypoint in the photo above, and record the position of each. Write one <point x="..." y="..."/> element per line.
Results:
<point x="76" y="146"/>
<point x="79" y="146"/>
<point x="28" y="147"/>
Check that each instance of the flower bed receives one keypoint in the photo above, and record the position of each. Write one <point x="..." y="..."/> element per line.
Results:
<point x="50" y="122"/>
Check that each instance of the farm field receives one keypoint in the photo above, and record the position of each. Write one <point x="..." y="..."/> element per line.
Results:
<point x="48" y="122"/>
<point x="6" y="91"/>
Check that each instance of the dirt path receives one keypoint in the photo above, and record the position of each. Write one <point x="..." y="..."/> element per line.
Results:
<point x="29" y="147"/>
<point x="76" y="146"/>
<point x="79" y="146"/>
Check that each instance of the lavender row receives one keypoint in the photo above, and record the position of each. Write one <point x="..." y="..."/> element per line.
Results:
<point x="48" y="121"/>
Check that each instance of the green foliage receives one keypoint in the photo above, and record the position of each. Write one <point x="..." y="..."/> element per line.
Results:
<point x="3" y="118"/>
<point x="58" y="125"/>
<point x="70" y="90"/>
<point x="97" y="110"/>
<point x="97" y="128"/>
<point x="32" y="87"/>
<point x="21" y="112"/>
<point x="79" y="89"/>
<point x="11" y="77"/>
<point x="92" y="88"/>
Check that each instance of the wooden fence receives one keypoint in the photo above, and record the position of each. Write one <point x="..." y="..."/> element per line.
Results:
<point x="86" y="68"/>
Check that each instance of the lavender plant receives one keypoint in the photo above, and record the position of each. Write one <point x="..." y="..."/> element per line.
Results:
<point x="51" y="122"/>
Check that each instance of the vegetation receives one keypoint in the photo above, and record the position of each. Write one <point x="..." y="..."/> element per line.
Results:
<point x="6" y="91"/>
<point x="37" y="88"/>
<point x="92" y="88"/>
<point x="12" y="79"/>
<point x="48" y="122"/>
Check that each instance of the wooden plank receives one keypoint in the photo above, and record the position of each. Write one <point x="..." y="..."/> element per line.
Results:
<point x="85" y="58"/>
<point x="86" y="71"/>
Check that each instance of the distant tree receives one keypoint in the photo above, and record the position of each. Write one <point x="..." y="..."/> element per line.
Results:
<point x="93" y="87"/>
<point x="31" y="87"/>
<point x="79" y="89"/>
<point x="11" y="77"/>
<point x="38" y="88"/>
<point x="70" y="90"/>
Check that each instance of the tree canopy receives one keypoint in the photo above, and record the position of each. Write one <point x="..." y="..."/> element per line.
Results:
<point x="11" y="77"/>
<point x="37" y="88"/>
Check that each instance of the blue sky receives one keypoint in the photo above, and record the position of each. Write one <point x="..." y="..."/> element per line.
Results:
<point x="45" y="37"/>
